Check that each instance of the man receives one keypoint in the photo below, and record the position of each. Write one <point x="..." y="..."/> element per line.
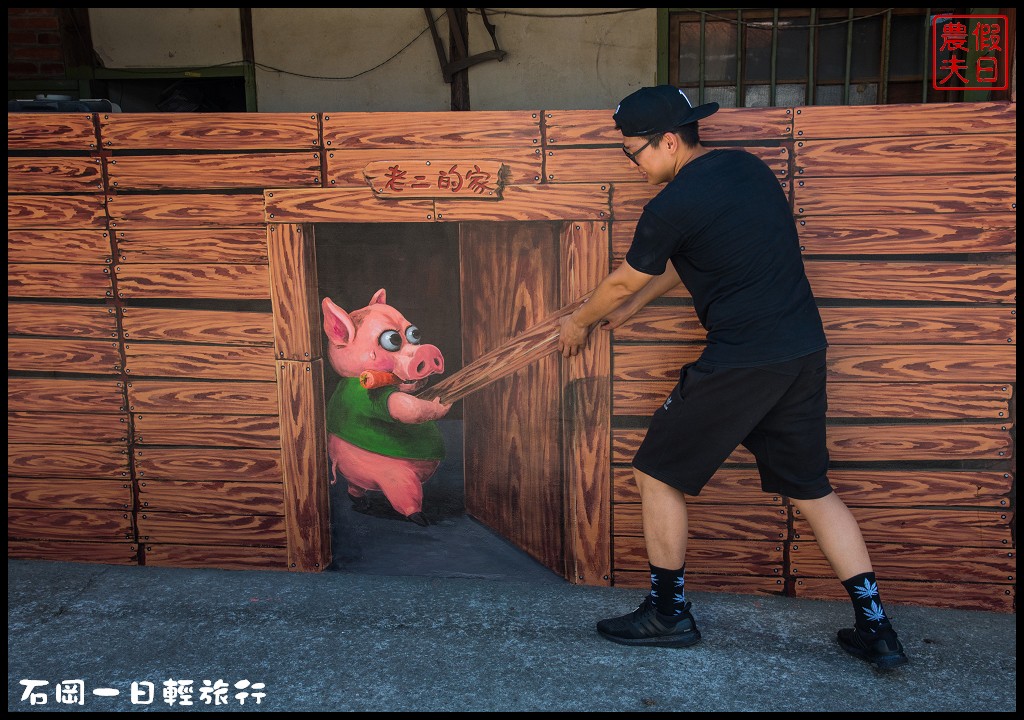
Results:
<point x="722" y="224"/>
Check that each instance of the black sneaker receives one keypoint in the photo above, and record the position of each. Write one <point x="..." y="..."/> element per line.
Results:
<point x="882" y="648"/>
<point x="646" y="626"/>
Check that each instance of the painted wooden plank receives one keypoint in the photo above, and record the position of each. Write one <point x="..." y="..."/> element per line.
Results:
<point x="294" y="291"/>
<point x="75" y="212"/>
<point x="920" y="155"/>
<point x="58" y="246"/>
<point x="222" y="327"/>
<point x="68" y="356"/>
<point x="219" y="498"/>
<point x="247" y="246"/>
<point x="878" y="443"/>
<point x="906" y="234"/>
<point x="916" y="562"/>
<point x="68" y="461"/>
<point x="345" y="168"/>
<point x="586" y="416"/>
<point x="405" y="178"/>
<point x="56" y="280"/>
<point x="849" y="325"/>
<point x="976" y="596"/>
<point x="996" y="193"/>
<point x="220" y="171"/>
<point x="212" y="556"/>
<point x="69" y="524"/>
<point x="974" y="528"/>
<point x="728" y="522"/>
<point x="54" y="394"/>
<point x="236" y="282"/>
<point x="905" y="119"/>
<point x="242" y="431"/>
<point x="64" y="320"/>
<point x="204" y="529"/>
<point x="584" y="164"/>
<point x="596" y="127"/>
<point x="739" y="557"/>
<point x="50" y="131"/>
<point x="66" y="428"/>
<point x="732" y="486"/>
<point x="303" y="440"/>
<point x="107" y="553"/>
<point x="541" y="202"/>
<point x="892" y="363"/>
<point x="254" y="398"/>
<point x="477" y="129"/>
<point x="71" y="494"/>
<point x="151" y="211"/>
<point x="54" y="174"/>
<point x="923" y="487"/>
<point x="909" y="401"/>
<point x="199" y="361"/>
<point x="342" y="205"/>
<point x="209" y="131"/>
<point x="227" y="464"/>
<point x="706" y="582"/>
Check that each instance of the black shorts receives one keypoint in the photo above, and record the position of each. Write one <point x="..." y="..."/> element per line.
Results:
<point x="775" y="411"/>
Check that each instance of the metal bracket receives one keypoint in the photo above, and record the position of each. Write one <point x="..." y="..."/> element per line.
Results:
<point x="448" y="69"/>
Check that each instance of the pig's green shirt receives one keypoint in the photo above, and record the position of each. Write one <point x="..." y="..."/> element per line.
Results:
<point x="361" y="417"/>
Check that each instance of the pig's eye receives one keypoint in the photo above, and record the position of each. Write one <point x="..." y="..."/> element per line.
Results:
<point x="390" y="340"/>
<point x="412" y="334"/>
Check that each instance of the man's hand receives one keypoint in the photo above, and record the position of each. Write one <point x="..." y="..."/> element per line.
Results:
<point x="572" y="336"/>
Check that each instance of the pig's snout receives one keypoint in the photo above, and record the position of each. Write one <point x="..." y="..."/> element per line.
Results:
<point x="427" y="360"/>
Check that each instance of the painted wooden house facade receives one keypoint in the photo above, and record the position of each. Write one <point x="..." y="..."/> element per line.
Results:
<point x="166" y="373"/>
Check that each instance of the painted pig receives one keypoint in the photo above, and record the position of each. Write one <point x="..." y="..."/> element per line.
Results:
<point x="382" y="438"/>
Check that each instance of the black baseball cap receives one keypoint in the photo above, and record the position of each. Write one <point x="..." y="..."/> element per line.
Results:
<point x="658" y="109"/>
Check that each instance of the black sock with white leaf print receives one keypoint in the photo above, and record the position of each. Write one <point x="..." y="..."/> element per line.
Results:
<point x="867" y="604"/>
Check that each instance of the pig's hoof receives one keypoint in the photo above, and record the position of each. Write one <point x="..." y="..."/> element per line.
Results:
<point x="420" y="519"/>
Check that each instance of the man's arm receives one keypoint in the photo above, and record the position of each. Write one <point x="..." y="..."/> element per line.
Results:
<point x="620" y="285"/>
<point x="655" y="288"/>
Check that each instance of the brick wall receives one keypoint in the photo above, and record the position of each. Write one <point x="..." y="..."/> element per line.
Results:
<point x="34" y="46"/>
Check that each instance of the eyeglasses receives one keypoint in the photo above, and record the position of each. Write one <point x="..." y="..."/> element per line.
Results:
<point x="632" y="155"/>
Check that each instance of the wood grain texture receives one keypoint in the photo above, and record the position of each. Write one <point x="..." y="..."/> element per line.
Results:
<point x="66" y="428"/>
<point x="343" y="205"/>
<point x="905" y="119"/>
<point x="706" y="582"/>
<point x="63" y="320"/>
<point x="417" y="130"/>
<point x="57" y="131"/>
<point x="730" y="557"/>
<point x="220" y="171"/>
<point x="55" y="394"/>
<point x="214" y="556"/>
<point x="596" y="127"/>
<point x="586" y="414"/>
<point x="972" y="193"/>
<point x="907" y="234"/>
<point x="209" y="131"/>
<point x="81" y="494"/>
<point x="154" y="211"/>
<point x="910" y="401"/>
<point x="222" y="327"/>
<point x="97" y="357"/>
<point x="977" y="528"/>
<point x="916" y="562"/>
<point x="203" y="529"/>
<point x="294" y="291"/>
<point x="242" y="431"/>
<point x="67" y="524"/>
<point x="727" y="522"/>
<point x="730" y="485"/>
<point x="524" y="203"/>
<point x="921" y="155"/>
<point x="74" y="212"/>
<point x="577" y="165"/>
<point x="39" y="280"/>
<point x="101" y="462"/>
<point x="247" y="246"/>
<point x="920" y="281"/>
<point x="976" y="596"/>
<point x="54" y="174"/>
<point x="220" y="464"/>
<point x="211" y="398"/>
<point x="217" y="498"/>
<point x="58" y="246"/>
<point x="304" y="464"/>
<point x="923" y="487"/>
<point x="107" y="553"/>
<point x="345" y="167"/>
<point x="235" y="282"/>
<point x="219" y="362"/>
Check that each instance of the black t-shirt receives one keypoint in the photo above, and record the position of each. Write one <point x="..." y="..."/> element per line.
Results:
<point x="725" y="223"/>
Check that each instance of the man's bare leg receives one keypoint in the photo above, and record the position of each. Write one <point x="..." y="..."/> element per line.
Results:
<point x="665" y="525"/>
<point x="838" y="535"/>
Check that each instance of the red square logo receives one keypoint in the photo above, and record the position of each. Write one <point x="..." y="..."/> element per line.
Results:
<point x="969" y="52"/>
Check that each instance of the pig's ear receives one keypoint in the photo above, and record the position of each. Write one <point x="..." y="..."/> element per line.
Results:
<point x="379" y="297"/>
<point x="337" y="324"/>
